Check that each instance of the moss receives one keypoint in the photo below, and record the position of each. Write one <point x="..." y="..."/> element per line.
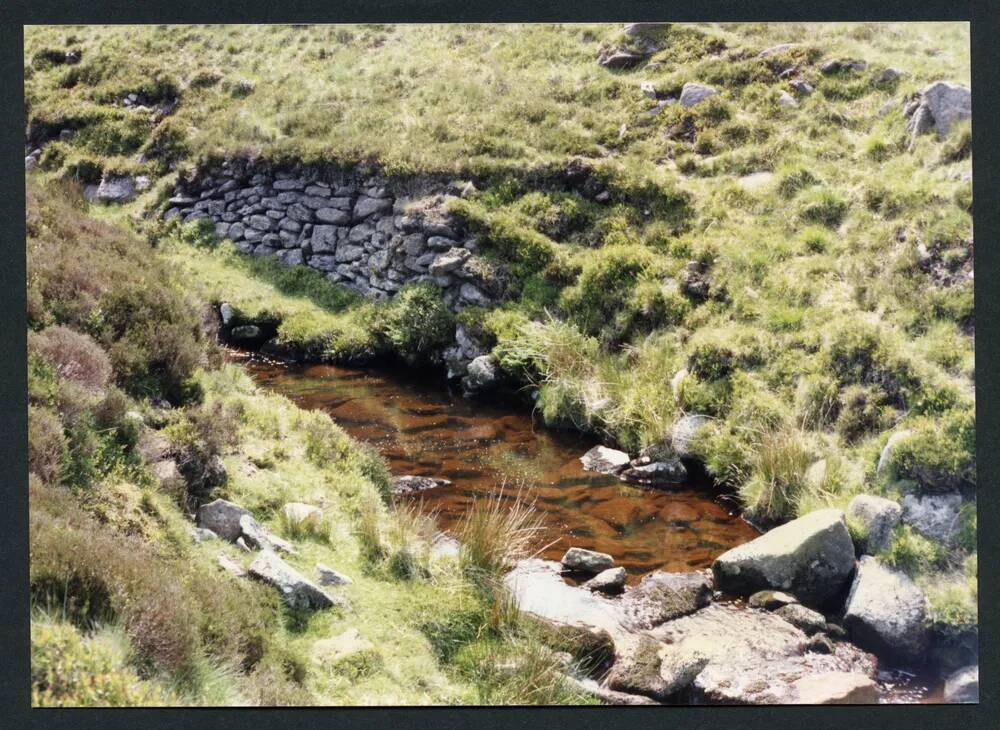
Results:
<point x="913" y="553"/>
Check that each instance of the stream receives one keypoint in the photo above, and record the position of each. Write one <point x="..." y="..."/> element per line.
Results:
<point x="423" y="428"/>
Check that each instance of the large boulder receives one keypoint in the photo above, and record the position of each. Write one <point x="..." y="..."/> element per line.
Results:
<point x="662" y="597"/>
<point x="685" y="431"/>
<point x="935" y="516"/>
<point x="586" y="561"/>
<point x="222" y="518"/>
<point x="692" y="93"/>
<point x="878" y="517"/>
<point x="948" y="103"/>
<point x="297" y="591"/>
<point x="962" y="686"/>
<point x="811" y="557"/>
<point x="886" y="612"/>
<point x="604" y="460"/>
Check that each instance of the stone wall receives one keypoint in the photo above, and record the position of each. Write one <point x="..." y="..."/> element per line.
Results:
<point x="364" y="231"/>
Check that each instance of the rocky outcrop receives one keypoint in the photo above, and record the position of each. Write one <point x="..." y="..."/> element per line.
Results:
<point x="604" y="460"/>
<point x="295" y="589"/>
<point x="363" y="231"/>
<point x="886" y="612"/>
<point x="811" y="557"/>
<point x="878" y="517"/>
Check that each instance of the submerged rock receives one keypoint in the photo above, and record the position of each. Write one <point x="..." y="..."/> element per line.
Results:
<point x="811" y="557"/>
<point x="604" y="460"/>
<point x="886" y="612"/>
<point x="297" y="591"/>
<point x="409" y="484"/>
<point x="661" y="597"/>
<point x="656" y="474"/>
<point x="878" y="516"/>
<point x="586" y="561"/>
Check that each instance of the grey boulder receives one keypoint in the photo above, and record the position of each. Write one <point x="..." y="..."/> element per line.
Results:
<point x="115" y="189"/>
<point x="811" y="557"/>
<point x="222" y="518"/>
<point x="685" y="432"/>
<point x="586" y="561"/>
<point x="662" y="597"/>
<point x="604" y="460"/>
<point x="935" y="516"/>
<point x="886" y="612"/>
<point x="878" y="517"/>
<point x="692" y="93"/>
<point x="610" y="581"/>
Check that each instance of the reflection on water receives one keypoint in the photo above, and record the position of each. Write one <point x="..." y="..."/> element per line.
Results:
<point x="424" y="430"/>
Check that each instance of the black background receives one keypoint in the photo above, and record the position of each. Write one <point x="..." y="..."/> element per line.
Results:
<point x="15" y="709"/>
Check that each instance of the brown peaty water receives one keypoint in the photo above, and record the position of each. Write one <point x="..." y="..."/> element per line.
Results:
<point x="423" y="429"/>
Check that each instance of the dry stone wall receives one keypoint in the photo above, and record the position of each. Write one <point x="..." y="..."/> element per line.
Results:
<point x="364" y="231"/>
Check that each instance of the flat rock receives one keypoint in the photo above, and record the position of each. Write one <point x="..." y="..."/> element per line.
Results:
<point x="409" y="484"/>
<point x="586" y="561"/>
<point x="297" y="591"/>
<point x="662" y="597"/>
<point x="604" y="460"/>
<point x="935" y="516"/>
<point x="811" y="557"/>
<point x="963" y="686"/>
<point x="835" y="688"/>
<point x="222" y="518"/>
<point x="878" y="516"/>
<point x="886" y="612"/>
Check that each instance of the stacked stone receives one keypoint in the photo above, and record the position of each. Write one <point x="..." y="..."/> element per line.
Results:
<point x="356" y="232"/>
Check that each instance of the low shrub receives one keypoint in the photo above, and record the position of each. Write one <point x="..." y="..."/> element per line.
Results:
<point x="940" y="453"/>
<point x="416" y="322"/>
<point x="777" y="478"/>
<point x="822" y="206"/>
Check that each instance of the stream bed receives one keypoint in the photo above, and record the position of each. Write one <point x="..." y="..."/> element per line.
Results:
<point x="423" y="428"/>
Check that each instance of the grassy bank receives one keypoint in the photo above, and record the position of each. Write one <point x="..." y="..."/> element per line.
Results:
<point x="129" y="610"/>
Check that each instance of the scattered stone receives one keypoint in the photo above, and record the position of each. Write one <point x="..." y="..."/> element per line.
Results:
<point x="330" y="577"/>
<point x="621" y="58"/>
<point x="604" y="460"/>
<point x="685" y="431"/>
<point x="886" y="612"/>
<point x="586" y="561"/>
<point x="254" y="535"/>
<point x="662" y="597"/>
<point x="935" y="516"/>
<point x="692" y="93"/>
<point x="656" y="474"/>
<point x="115" y="189"/>
<point x="771" y="600"/>
<point x="801" y="87"/>
<point x="962" y="687"/>
<point x="786" y="99"/>
<point x="811" y="557"/>
<point x="836" y="688"/>
<point x="836" y="65"/>
<point x="887" y="76"/>
<point x="302" y="515"/>
<point x="811" y="622"/>
<point x="222" y="518"/>
<point x="333" y="650"/>
<point x="296" y="590"/>
<point x="878" y="516"/>
<point x="610" y="581"/>
<point x="409" y="484"/>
